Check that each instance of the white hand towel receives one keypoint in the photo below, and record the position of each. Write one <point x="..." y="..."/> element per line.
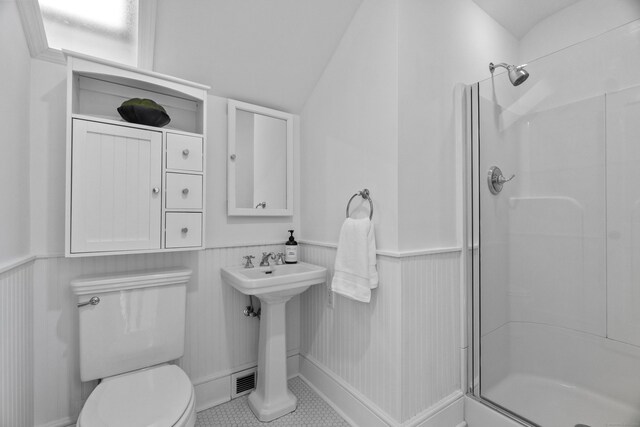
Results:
<point x="355" y="269"/>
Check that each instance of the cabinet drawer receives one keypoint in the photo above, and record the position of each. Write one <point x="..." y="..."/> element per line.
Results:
<point x="184" y="152"/>
<point x="183" y="229"/>
<point x="184" y="191"/>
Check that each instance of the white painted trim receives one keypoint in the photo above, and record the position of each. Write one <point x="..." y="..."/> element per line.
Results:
<point x="232" y="209"/>
<point x="293" y="353"/>
<point x="477" y="414"/>
<point x="62" y="422"/>
<point x="35" y="34"/>
<point x="18" y="262"/>
<point x="348" y="402"/>
<point x="391" y="254"/>
<point x="329" y="401"/>
<point x="216" y="389"/>
<point x="91" y="64"/>
<point x="358" y="410"/>
<point x="246" y="245"/>
<point x="449" y="412"/>
<point x="212" y="393"/>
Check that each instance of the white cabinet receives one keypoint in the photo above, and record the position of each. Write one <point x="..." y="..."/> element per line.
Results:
<point x="116" y="178"/>
<point x="132" y="188"/>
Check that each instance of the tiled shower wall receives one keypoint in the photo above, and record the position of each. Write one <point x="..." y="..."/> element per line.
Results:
<point x="40" y="321"/>
<point x="401" y="352"/>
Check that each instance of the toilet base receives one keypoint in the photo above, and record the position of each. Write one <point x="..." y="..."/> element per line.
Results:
<point x="269" y="412"/>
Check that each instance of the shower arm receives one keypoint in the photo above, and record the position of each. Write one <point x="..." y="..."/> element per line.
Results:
<point x="493" y="66"/>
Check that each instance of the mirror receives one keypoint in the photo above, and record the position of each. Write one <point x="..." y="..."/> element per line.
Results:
<point x="260" y="161"/>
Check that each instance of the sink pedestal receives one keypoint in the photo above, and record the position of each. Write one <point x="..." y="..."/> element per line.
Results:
<point x="272" y="399"/>
<point x="274" y="286"/>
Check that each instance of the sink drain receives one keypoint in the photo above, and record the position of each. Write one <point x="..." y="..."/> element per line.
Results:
<point x="582" y="425"/>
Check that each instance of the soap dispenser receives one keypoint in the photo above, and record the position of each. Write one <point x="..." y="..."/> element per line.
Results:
<point x="291" y="250"/>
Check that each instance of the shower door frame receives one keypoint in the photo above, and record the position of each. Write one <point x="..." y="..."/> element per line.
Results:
<point x="472" y="252"/>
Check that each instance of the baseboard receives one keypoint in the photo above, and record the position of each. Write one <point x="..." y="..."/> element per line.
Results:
<point x="214" y="391"/>
<point x="478" y="415"/>
<point x="358" y="410"/>
<point x="62" y="422"/>
<point x="448" y="412"/>
<point x="349" y="403"/>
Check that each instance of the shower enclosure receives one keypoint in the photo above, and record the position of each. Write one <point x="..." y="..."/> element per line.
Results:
<point x="555" y="255"/>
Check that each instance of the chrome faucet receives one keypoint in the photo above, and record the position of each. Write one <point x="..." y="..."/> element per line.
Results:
<point x="248" y="264"/>
<point x="279" y="258"/>
<point x="265" y="258"/>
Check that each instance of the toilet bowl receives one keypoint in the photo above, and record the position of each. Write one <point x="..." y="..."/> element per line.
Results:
<point x="126" y="339"/>
<point x="160" y="396"/>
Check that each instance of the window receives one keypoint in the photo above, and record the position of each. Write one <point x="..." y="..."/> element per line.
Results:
<point x="105" y="29"/>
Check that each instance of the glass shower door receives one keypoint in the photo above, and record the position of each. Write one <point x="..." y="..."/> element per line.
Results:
<point x="557" y="268"/>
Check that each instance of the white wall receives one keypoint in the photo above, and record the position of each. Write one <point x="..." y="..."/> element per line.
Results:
<point x="441" y="44"/>
<point x="47" y="134"/>
<point x="574" y="24"/>
<point x="349" y="130"/>
<point x="14" y="119"/>
<point x="382" y="117"/>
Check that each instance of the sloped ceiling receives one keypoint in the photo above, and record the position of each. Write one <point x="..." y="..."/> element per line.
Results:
<point x="267" y="52"/>
<point x="519" y="16"/>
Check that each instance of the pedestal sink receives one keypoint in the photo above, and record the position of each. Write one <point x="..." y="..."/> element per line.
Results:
<point x="274" y="286"/>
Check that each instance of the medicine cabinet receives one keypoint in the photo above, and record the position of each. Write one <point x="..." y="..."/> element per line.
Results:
<point x="260" y="161"/>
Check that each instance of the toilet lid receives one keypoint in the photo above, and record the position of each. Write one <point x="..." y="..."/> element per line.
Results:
<point x="155" y="397"/>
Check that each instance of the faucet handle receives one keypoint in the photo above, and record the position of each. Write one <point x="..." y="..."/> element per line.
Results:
<point x="248" y="264"/>
<point x="279" y="258"/>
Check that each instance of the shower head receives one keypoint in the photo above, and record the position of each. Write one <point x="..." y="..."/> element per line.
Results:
<point x="517" y="74"/>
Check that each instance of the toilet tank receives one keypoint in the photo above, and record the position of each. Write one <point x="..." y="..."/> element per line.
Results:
<point x="139" y="321"/>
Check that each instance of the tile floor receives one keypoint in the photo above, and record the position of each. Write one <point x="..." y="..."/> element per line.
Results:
<point x="312" y="411"/>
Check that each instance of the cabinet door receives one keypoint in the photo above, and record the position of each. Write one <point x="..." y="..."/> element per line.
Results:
<point x="116" y="197"/>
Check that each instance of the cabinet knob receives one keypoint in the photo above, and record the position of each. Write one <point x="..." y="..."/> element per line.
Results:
<point x="185" y="152"/>
<point x="156" y="190"/>
<point x="185" y="191"/>
<point x="233" y="157"/>
<point x="185" y="230"/>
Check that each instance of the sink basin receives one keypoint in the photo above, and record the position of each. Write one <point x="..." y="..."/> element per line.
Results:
<point x="276" y="280"/>
<point x="274" y="286"/>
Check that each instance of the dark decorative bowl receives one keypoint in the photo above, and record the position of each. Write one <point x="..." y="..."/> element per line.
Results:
<point x="144" y="112"/>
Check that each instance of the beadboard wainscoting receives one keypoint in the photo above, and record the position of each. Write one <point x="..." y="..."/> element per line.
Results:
<point x="398" y="356"/>
<point x="16" y="351"/>
<point x="219" y="339"/>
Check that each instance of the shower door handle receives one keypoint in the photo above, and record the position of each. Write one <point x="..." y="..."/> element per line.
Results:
<point x="495" y="179"/>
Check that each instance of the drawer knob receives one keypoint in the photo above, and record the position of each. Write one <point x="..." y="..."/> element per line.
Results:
<point x="185" y="152"/>
<point x="155" y="190"/>
<point x="185" y="230"/>
<point x="185" y="191"/>
<point x="233" y="157"/>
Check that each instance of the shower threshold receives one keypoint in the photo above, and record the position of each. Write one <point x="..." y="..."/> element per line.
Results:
<point x="551" y="403"/>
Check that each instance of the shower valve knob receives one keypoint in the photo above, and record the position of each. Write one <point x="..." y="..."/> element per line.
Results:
<point x="495" y="179"/>
<point x="502" y="179"/>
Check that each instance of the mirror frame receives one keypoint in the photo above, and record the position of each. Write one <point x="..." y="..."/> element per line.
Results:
<point x="232" y="210"/>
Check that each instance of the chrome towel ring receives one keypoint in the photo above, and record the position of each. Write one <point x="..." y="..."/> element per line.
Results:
<point x="365" y="195"/>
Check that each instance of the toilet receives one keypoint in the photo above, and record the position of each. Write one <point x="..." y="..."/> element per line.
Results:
<point x="129" y="332"/>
